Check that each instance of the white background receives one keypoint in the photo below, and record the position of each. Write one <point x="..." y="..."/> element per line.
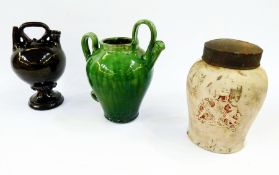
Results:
<point x="75" y="138"/>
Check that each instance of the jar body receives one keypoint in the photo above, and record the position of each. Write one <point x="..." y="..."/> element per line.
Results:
<point x="38" y="65"/>
<point x="222" y="105"/>
<point x="119" y="80"/>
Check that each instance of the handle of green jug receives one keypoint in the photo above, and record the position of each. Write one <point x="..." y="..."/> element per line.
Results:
<point x="85" y="47"/>
<point x="153" y="31"/>
<point x="87" y="53"/>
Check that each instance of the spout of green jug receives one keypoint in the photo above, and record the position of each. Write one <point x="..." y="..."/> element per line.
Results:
<point x="154" y="53"/>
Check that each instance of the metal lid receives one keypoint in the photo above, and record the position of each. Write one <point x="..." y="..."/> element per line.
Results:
<point x="231" y="53"/>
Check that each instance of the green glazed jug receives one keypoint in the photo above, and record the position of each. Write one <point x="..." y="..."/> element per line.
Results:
<point x="119" y="72"/>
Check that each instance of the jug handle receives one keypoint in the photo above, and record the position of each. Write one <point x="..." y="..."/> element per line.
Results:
<point x="85" y="47"/>
<point x="34" y="24"/>
<point x="153" y="31"/>
<point x="87" y="53"/>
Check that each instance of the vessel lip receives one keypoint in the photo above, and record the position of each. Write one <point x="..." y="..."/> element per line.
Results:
<point x="117" y="44"/>
<point x="114" y="41"/>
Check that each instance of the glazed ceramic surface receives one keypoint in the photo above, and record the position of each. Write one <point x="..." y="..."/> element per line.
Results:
<point x="119" y="72"/>
<point x="223" y="103"/>
<point x="39" y="62"/>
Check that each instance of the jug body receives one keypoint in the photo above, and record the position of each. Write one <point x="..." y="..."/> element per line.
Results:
<point x="119" y="73"/>
<point x="39" y="62"/>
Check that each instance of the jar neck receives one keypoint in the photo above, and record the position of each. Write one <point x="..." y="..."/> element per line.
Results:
<point x="117" y="44"/>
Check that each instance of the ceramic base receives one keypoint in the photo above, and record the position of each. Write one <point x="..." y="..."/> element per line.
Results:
<point x="45" y="98"/>
<point x="50" y="101"/>
<point x="211" y="145"/>
<point x="123" y="120"/>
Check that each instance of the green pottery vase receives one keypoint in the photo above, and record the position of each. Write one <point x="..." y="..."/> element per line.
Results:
<point x="119" y="72"/>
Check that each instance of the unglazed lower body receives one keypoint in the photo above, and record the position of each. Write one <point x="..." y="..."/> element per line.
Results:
<point x="215" y="142"/>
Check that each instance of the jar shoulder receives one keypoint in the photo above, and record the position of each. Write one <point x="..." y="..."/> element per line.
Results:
<point x="202" y="69"/>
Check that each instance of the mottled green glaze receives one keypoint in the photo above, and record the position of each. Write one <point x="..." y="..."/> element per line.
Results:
<point x="119" y="72"/>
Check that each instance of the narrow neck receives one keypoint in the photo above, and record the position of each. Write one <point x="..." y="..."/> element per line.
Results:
<point x="117" y="44"/>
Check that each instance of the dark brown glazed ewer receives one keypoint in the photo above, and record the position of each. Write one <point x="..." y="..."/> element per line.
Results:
<point x="39" y="62"/>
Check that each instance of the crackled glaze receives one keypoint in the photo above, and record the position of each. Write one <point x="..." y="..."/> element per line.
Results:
<point x="222" y="105"/>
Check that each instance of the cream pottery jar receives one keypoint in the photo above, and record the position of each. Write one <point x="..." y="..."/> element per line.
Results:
<point x="225" y="91"/>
